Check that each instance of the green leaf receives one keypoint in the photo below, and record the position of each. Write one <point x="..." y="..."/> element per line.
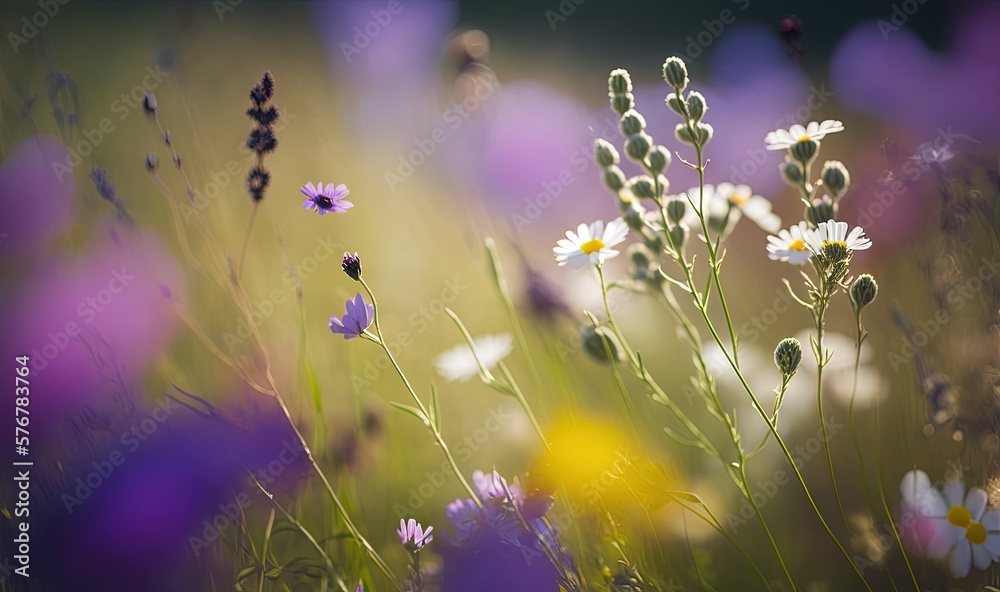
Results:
<point x="412" y="411"/>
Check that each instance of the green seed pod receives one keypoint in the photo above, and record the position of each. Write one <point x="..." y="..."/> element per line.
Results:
<point x="788" y="356"/>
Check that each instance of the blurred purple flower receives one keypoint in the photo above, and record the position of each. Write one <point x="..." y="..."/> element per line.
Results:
<point x="754" y="90"/>
<point x="358" y="318"/>
<point x="412" y="532"/>
<point x="890" y="72"/>
<point x="36" y="200"/>
<point x="326" y="199"/>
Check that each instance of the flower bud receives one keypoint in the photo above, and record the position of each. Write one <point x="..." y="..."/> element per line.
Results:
<point x="149" y="104"/>
<point x="632" y="213"/>
<point x="674" y="103"/>
<point x="675" y="73"/>
<point x="622" y="103"/>
<point x="642" y="187"/>
<point x="678" y="235"/>
<point x="619" y="83"/>
<point x="703" y="133"/>
<point x="791" y="172"/>
<point x="614" y="178"/>
<point x="152" y="162"/>
<point x="637" y="146"/>
<point x="863" y="291"/>
<point x="632" y="122"/>
<point x="352" y="266"/>
<point x="835" y="252"/>
<point x="658" y="159"/>
<point x="600" y="344"/>
<point x="640" y="254"/>
<point x="835" y="178"/>
<point x="788" y="356"/>
<point x="804" y="151"/>
<point x="821" y="210"/>
<point x="605" y="153"/>
<point x="696" y="106"/>
<point x="676" y="208"/>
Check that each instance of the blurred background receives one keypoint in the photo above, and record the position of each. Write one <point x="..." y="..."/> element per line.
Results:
<point x="122" y="222"/>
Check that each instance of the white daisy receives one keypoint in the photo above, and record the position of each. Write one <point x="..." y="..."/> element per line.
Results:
<point x="590" y="244"/>
<point x="784" y="139"/>
<point x="755" y="207"/>
<point x="833" y="232"/>
<point x="955" y="522"/>
<point x="458" y="363"/>
<point x="790" y="245"/>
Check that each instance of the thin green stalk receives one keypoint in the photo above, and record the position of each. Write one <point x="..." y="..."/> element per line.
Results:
<point x="516" y="391"/>
<point x="821" y="360"/>
<point x="413" y="394"/>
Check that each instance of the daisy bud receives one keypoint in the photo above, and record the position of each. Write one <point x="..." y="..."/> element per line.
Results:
<point x="600" y="344"/>
<point x="863" y="291"/>
<point x="696" y="106"/>
<point x="619" y="82"/>
<point x="614" y="178"/>
<point x="788" y="356"/>
<point x="675" y="73"/>
<point x="658" y="159"/>
<point x="149" y="104"/>
<point x="676" y="208"/>
<point x="674" y="103"/>
<point x="352" y="266"/>
<point x="637" y="146"/>
<point x="622" y="103"/>
<point x="632" y="213"/>
<point x="835" y="177"/>
<point x="632" y="122"/>
<point x="804" y="151"/>
<point x="642" y="187"/>
<point x="152" y="162"/>
<point x="703" y="133"/>
<point x="791" y="172"/>
<point x="604" y="153"/>
<point x="821" y="210"/>
<point x="678" y="235"/>
<point x="646" y="267"/>
<point x="640" y="255"/>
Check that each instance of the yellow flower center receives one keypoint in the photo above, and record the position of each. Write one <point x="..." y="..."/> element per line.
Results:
<point x="842" y="244"/>
<point x="959" y="516"/>
<point x="739" y="198"/>
<point x="797" y="245"/>
<point x="805" y="138"/>
<point x="975" y="533"/>
<point x="592" y="246"/>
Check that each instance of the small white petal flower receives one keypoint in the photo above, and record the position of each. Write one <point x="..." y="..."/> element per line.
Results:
<point x="755" y="207"/>
<point x="458" y="363"/>
<point x="835" y="232"/>
<point x="790" y="245"/>
<point x="783" y="139"/>
<point x="590" y="244"/>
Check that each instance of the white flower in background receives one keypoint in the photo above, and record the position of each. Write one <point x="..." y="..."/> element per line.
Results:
<point x="590" y="244"/>
<point x="783" y="139"/>
<point x="790" y="245"/>
<point x="727" y="203"/>
<point x="458" y="363"/>
<point x="955" y="524"/>
<point x="833" y="232"/>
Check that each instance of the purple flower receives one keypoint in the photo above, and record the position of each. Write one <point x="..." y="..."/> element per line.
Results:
<point x="326" y="199"/>
<point x="358" y="318"/>
<point x="36" y="193"/>
<point x="413" y="532"/>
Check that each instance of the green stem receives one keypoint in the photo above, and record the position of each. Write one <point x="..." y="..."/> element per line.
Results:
<point x="413" y="394"/>
<point x="516" y="391"/>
